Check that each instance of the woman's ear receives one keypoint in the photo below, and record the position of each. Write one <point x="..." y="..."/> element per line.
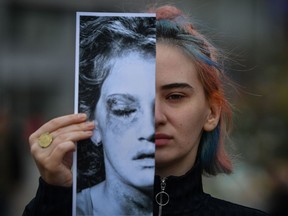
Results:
<point x="213" y="117"/>
<point x="96" y="137"/>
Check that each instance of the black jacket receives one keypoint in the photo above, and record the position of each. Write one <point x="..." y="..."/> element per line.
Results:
<point x="50" y="201"/>
<point x="186" y="198"/>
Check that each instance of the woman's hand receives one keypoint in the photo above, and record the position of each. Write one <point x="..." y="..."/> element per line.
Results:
<point x="55" y="161"/>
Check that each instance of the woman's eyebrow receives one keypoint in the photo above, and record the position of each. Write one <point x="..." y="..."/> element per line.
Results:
<point x="176" y="85"/>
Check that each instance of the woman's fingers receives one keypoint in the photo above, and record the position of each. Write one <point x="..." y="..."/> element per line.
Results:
<point x="58" y="151"/>
<point x="61" y="129"/>
<point x="57" y="166"/>
<point x="85" y="126"/>
<point x="57" y="123"/>
<point x="55" y="161"/>
<point x="39" y="153"/>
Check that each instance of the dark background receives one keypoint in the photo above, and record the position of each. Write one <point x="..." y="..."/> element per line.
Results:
<point x="37" y="52"/>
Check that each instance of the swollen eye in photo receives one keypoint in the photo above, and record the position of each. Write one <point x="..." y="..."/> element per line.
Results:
<point x="125" y="112"/>
<point x="120" y="105"/>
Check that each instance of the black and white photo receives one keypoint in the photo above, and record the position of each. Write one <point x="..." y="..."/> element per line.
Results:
<point x="115" y="87"/>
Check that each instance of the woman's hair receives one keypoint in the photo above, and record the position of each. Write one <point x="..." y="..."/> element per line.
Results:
<point x="103" y="39"/>
<point x="174" y="29"/>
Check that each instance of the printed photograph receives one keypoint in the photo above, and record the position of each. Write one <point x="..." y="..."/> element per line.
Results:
<point x="115" y="87"/>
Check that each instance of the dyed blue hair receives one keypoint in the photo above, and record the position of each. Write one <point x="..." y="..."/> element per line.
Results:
<point x="172" y="28"/>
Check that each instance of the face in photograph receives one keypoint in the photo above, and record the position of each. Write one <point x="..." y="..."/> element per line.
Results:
<point x="125" y="117"/>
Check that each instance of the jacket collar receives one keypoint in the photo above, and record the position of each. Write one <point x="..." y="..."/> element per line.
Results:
<point x="185" y="192"/>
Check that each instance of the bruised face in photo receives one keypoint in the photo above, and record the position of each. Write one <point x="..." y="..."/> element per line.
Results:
<point x="125" y="117"/>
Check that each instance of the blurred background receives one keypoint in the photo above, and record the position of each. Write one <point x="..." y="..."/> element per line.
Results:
<point x="37" y="52"/>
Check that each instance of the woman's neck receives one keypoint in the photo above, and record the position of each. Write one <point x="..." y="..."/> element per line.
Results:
<point x="173" y="169"/>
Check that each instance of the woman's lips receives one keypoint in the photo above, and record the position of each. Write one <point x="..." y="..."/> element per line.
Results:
<point x="146" y="158"/>
<point x="162" y="139"/>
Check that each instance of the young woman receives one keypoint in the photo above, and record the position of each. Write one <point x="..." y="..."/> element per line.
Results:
<point x="191" y="121"/>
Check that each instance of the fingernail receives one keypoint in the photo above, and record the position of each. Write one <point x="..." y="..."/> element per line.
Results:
<point x="90" y="124"/>
<point x="82" y="115"/>
<point x="89" y="133"/>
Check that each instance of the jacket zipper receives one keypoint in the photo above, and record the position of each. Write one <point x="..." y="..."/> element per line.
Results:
<point x="162" y="198"/>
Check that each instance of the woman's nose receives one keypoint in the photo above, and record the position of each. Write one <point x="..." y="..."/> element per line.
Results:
<point x="147" y="126"/>
<point x="160" y="117"/>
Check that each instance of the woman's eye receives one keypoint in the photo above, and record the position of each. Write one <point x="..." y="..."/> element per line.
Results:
<point x="175" y="97"/>
<point x="121" y="106"/>
<point x="123" y="112"/>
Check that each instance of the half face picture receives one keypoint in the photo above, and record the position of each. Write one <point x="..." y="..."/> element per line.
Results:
<point x="115" y="87"/>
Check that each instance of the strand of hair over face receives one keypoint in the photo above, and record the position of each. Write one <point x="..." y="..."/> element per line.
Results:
<point x="174" y="28"/>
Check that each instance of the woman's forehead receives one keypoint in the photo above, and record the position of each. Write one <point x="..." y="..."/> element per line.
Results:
<point x="131" y="74"/>
<point x="174" y="66"/>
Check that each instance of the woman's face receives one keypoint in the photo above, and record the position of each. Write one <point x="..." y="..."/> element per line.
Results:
<point x="125" y="116"/>
<point x="181" y="112"/>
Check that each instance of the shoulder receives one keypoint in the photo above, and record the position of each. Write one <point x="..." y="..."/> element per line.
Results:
<point x="90" y="200"/>
<point x="229" y="208"/>
<point x="84" y="202"/>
